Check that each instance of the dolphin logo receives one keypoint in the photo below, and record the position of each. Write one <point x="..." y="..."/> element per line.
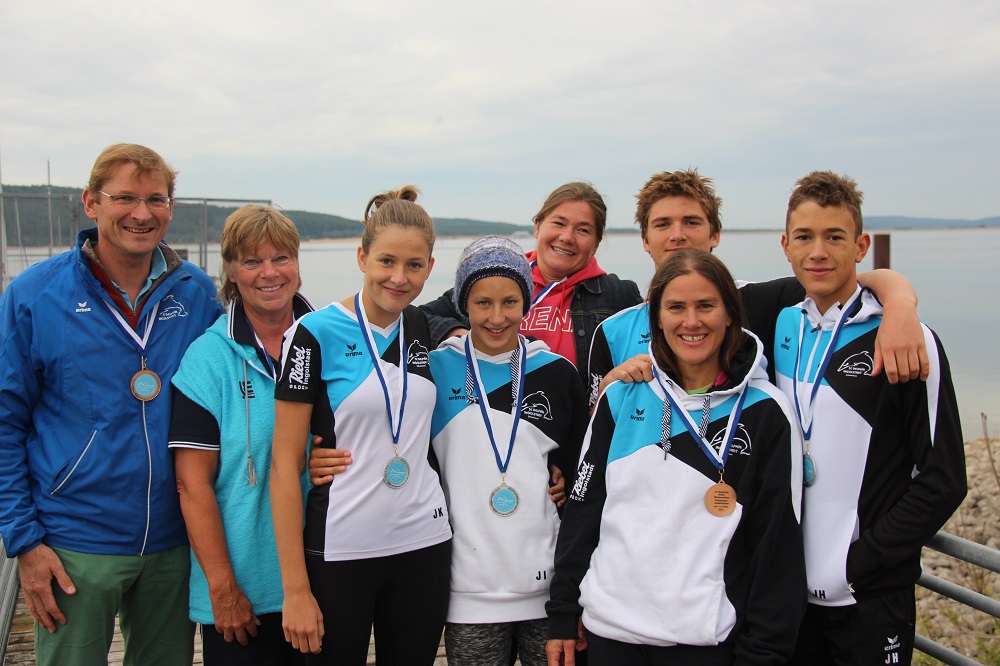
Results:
<point x="416" y="355"/>
<point x="740" y="444"/>
<point x="170" y="308"/>
<point x="857" y="365"/>
<point x="536" y="406"/>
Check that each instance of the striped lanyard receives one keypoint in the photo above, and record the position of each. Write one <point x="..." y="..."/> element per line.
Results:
<point x="546" y="289"/>
<point x="718" y="459"/>
<point x="474" y="383"/>
<point x="805" y="413"/>
<point x="395" y="416"/>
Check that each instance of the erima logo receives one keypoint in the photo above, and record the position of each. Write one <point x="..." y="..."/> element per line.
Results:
<point x="170" y="307"/>
<point x="246" y="388"/>
<point x="299" y="373"/>
<point x="582" y="481"/>
<point x="352" y="350"/>
<point x="82" y="307"/>
<point x="638" y="416"/>
<point x="644" y="338"/>
<point x="536" y="406"/>
<point x="416" y="355"/>
<point x="740" y="443"/>
<point x="786" y="343"/>
<point x="857" y="365"/>
<point x="893" y="645"/>
<point x="456" y="394"/>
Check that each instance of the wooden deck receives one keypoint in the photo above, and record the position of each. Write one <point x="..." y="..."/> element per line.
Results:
<point x="21" y="649"/>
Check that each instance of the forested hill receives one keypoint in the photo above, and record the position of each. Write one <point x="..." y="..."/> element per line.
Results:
<point x="68" y="218"/>
<point x="28" y="220"/>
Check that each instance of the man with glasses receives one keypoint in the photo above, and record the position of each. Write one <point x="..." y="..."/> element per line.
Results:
<point x="88" y="499"/>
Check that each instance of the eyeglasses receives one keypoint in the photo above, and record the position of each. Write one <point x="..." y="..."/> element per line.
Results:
<point x="130" y="201"/>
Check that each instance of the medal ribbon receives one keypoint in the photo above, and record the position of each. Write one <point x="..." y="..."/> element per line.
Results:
<point x="517" y="367"/>
<point x="719" y="459"/>
<point x="806" y="415"/>
<point x="545" y="290"/>
<point x="395" y="418"/>
<point x="267" y="357"/>
<point x="141" y="342"/>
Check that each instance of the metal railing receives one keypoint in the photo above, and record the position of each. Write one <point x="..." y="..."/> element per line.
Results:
<point x="10" y="588"/>
<point x="65" y="217"/>
<point x="962" y="549"/>
<point x="975" y="554"/>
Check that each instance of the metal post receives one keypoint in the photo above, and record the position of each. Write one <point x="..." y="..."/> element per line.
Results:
<point x="880" y="251"/>
<point x="48" y="168"/>
<point x="3" y="239"/>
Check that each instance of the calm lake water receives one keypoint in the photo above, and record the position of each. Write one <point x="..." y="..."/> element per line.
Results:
<point x="955" y="273"/>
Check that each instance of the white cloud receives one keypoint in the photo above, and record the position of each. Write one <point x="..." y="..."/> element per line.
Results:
<point x="318" y="104"/>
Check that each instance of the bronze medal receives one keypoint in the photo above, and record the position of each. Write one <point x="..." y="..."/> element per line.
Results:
<point x="720" y="499"/>
<point x="145" y="385"/>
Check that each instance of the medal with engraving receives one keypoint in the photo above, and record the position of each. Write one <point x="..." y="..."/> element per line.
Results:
<point x="808" y="470"/>
<point x="504" y="499"/>
<point x="720" y="499"/>
<point x="804" y="400"/>
<point x="145" y="383"/>
<point x="397" y="471"/>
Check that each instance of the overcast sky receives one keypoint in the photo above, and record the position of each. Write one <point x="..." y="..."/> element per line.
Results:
<point x="489" y="106"/>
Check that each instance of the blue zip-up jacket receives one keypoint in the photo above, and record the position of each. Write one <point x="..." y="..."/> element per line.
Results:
<point x="84" y="465"/>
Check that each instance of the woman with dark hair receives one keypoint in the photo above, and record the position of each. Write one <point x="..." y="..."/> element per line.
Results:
<point x="571" y="293"/>
<point x="681" y="540"/>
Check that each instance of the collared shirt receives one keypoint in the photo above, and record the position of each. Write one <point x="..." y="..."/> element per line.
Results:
<point x="157" y="269"/>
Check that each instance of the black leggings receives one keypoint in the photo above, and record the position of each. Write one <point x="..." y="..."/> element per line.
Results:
<point x="405" y="596"/>
<point x="267" y="648"/>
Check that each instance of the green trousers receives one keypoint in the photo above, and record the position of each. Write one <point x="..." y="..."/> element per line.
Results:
<point x="149" y="593"/>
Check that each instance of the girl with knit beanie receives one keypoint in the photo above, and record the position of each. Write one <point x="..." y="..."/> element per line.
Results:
<point x="507" y="410"/>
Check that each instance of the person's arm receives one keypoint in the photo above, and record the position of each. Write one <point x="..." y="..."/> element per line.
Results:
<point x="195" y="441"/>
<point x="639" y="368"/>
<point x="301" y="618"/>
<point x="776" y="602"/>
<point x="899" y="347"/>
<point x="567" y="456"/>
<point x="934" y="439"/>
<point x="232" y="611"/>
<point x="20" y="390"/>
<point x="578" y="537"/>
<point x="443" y="318"/>
<point x="37" y="568"/>
<point x="600" y="363"/>
<point x="325" y="463"/>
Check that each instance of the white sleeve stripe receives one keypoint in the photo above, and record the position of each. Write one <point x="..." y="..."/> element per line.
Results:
<point x="180" y="444"/>
<point x="933" y="382"/>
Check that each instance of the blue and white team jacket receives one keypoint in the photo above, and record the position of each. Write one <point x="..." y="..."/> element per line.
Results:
<point x="890" y="463"/>
<point x="325" y="362"/>
<point x="626" y="334"/>
<point x="501" y="566"/>
<point x="639" y="553"/>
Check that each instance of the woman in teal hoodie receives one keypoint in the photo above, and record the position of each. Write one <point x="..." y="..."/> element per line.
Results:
<point x="223" y="421"/>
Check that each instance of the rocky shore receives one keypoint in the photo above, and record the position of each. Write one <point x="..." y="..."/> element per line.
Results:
<point x="965" y="630"/>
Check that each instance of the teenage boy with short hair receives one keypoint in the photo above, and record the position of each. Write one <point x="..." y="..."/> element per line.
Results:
<point x="884" y="464"/>
<point x="676" y="210"/>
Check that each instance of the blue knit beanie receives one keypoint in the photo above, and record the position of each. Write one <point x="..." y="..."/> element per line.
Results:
<point x="491" y="256"/>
